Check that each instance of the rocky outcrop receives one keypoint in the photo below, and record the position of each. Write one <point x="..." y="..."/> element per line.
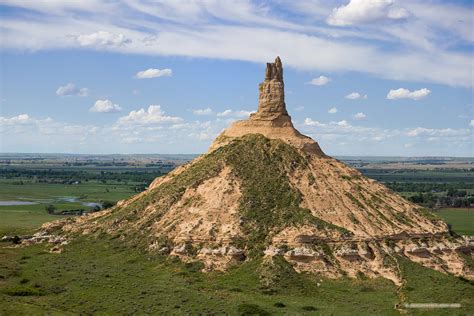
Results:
<point x="271" y="101"/>
<point x="272" y="119"/>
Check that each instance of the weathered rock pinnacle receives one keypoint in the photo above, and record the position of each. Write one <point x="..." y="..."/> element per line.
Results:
<point x="271" y="120"/>
<point x="271" y="103"/>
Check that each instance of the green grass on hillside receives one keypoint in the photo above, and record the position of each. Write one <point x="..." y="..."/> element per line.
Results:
<point x="103" y="276"/>
<point x="429" y="286"/>
<point x="461" y="220"/>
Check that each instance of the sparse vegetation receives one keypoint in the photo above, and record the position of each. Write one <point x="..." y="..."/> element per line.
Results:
<point x="268" y="203"/>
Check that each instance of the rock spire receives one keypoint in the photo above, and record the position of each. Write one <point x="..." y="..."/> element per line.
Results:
<point x="271" y="119"/>
<point x="271" y="101"/>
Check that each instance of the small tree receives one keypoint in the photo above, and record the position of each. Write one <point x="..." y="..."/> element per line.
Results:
<point x="107" y="204"/>
<point x="50" y="209"/>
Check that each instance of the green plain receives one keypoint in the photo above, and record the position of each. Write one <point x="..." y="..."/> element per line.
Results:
<point x="460" y="219"/>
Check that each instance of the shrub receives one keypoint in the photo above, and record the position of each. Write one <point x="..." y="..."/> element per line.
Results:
<point x="309" y="308"/>
<point x="50" y="209"/>
<point x="23" y="281"/>
<point x="22" y="291"/>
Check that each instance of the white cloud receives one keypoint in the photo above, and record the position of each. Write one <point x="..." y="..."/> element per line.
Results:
<point x="332" y="110"/>
<point x="343" y="123"/>
<point x="31" y="127"/>
<point x="471" y="123"/>
<point x="310" y="122"/>
<point x="203" y="136"/>
<point x="232" y="113"/>
<point x="360" y="116"/>
<point x="105" y="106"/>
<point x="102" y="39"/>
<point x="403" y="93"/>
<point x="337" y="50"/>
<point x="320" y="81"/>
<point x="19" y="119"/>
<point x="433" y="132"/>
<point x="364" y="11"/>
<point x="154" y="73"/>
<point x="154" y="115"/>
<point x="355" y="96"/>
<point x="151" y="131"/>
<point x="206" y="111"/>
<point x="70" y="89"/>
<point x="362" y="140"/>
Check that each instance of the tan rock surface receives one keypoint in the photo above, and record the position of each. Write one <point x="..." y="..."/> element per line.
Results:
<point x="272" y="119"/>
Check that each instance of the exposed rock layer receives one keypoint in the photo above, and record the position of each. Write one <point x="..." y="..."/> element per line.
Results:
<point x="272" y="119"/>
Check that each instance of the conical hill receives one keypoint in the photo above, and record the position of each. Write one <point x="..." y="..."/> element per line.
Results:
<point x="266" y="190"/>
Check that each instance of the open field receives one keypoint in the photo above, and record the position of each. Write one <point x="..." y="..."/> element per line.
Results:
<point x="461" y="220"/>
<point x="23" y="221"/>
<point x="20" y="219"/>
<point x="70" y="182"/>
<point x="90" y="191"/>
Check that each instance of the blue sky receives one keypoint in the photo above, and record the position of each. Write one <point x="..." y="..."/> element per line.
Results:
<point x="363" y="77"/>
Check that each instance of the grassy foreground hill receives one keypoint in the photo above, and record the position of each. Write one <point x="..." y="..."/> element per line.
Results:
<point x="104" y="276"/>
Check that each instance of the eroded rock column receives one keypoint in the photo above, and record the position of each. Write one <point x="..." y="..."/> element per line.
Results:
<point x="271" y="102"/>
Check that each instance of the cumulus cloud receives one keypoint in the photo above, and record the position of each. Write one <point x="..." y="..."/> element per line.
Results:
<point x="105" y="106"/>
<point x="310" y="122"/>
<point x="433" y="132"/>
<point x="332" y="110"/>
<point x="150" y="130"/>
<point x="31" y="127"/>
<point x="70" y="89"/>
<point x="359" y="116"/>
<point x="320" y="81"/>
<point x="363" y="140"/>
<point x="343" y="123"/>
<point x="355" y="96"/>
<point x="364" y="11"/>
<point x="154" y="115"/>
<point x="154" y="73"/>
<point x="202" y="136"/>
<point x="232" y="113"/>
<point x="102" y="38"/>
<point x="403" y="93"/>
<point x="471" y="123"/>
<point x="206" y="111"/>
<point x="19" y="119"/>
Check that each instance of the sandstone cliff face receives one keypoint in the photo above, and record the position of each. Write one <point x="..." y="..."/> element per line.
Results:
<point x="265" y="190"/>
<point x="271" y="101"/>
